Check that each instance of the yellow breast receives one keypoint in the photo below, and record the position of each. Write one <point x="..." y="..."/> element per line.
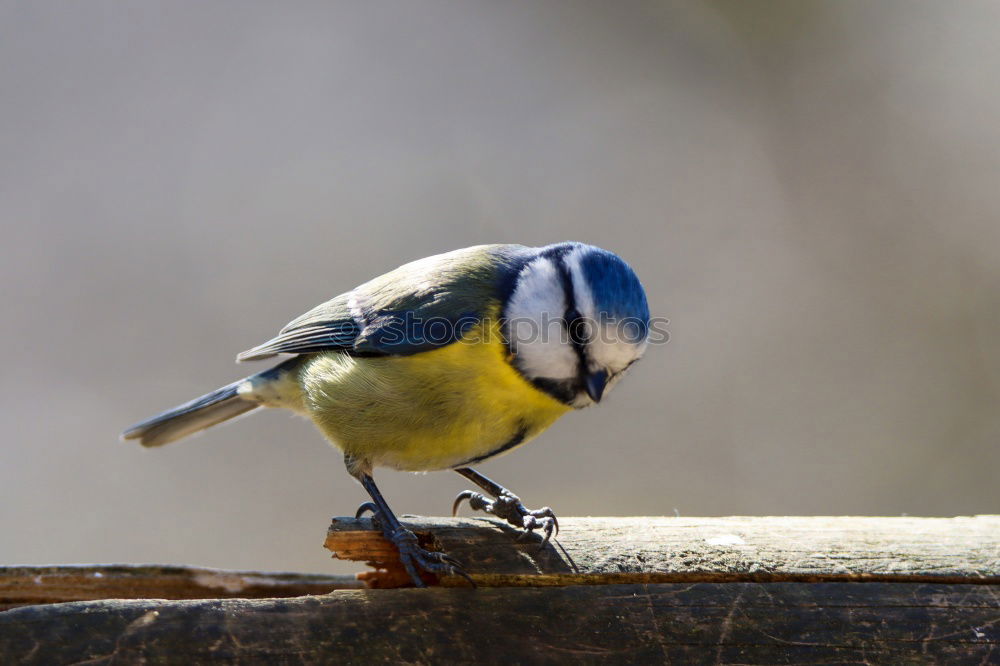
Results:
<point x="444" y="408"/>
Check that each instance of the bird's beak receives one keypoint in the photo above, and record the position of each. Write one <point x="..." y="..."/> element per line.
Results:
<point x="596" y="381"/>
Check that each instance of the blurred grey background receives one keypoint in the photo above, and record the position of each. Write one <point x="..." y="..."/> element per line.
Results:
<point x="809" y="191"/>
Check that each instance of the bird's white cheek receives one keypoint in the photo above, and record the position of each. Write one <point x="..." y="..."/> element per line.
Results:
<point x="548" y="358"/>
<point x="534" y="319"/>
<point x="541" y="349"/>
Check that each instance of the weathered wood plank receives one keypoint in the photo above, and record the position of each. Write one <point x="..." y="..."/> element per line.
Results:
<point x="51" y="584"/>
<point x="700" y="623"/>
<point x="660" y="550"/>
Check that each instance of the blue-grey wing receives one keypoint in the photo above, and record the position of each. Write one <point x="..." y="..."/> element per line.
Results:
<point x="333" y="327"/>
<point x="420" y="306"/>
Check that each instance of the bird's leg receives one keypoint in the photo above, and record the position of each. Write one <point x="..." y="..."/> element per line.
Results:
<point x="413" y="557"/>
<point x="506" y="505"/>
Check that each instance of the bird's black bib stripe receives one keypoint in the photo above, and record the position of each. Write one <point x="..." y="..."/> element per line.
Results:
<point x="518" y="438"/>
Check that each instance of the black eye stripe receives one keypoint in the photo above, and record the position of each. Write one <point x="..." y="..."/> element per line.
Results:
<point x="622" y="371"/>
<point x="574" y="322"/>
<point x="579" y="331"/>
<point x="567" y="284"/>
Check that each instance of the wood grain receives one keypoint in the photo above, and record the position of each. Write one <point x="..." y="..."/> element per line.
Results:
<point x="663" y="550"/>
<point x="25" y="585"/>
<point x="700" y="623"/>
<point x="613" y="590"/>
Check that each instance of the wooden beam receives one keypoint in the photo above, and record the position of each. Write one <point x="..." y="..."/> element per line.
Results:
<point x="633" y="590"/>
<point x="664" y="550"/>
<point x="697" y="623"/>
<point x="20" y="586"/>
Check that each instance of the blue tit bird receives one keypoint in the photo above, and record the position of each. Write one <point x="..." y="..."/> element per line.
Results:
<point x="443" y="363"/>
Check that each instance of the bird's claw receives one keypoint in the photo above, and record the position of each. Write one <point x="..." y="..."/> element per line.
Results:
<point x="508" y="506"/>
<point x="412" y="556"/>
<point x="365" y="508"/>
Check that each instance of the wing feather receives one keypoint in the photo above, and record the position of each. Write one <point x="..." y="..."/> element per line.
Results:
<point x="419" y="306"/>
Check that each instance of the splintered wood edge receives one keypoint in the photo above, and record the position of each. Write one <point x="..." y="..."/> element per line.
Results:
<point x="593" y="551"/>
<point x="28" y="585"/>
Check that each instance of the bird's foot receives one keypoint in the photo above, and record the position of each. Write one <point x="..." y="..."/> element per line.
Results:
<point x="508" y="506"/>
<point x="413" y="557"/>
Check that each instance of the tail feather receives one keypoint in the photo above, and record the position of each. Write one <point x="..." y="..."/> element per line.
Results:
<point x="191" y="417"/>
<point x="208" y="410"/>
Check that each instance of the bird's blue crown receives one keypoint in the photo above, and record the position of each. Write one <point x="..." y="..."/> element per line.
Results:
<point x="616" y="288"/>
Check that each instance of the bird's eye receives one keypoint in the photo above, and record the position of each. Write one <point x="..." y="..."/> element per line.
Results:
<point x="625" y="369"/>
